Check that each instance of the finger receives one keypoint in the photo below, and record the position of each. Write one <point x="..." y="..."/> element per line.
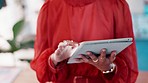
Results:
<point x="112" y="56"/>
<point x="58" y="52"/>
<point x="91" y="55"/>
<point x="79" y="60"/>
<point x="85" y="59"/>
<point x="71" y="42"/>
<point x="67" y="51"/>
<point x="102" y="56"/>
<point x="75" y="45"/>
<point x="62" y="44"/>
<point x="61" y="47"/>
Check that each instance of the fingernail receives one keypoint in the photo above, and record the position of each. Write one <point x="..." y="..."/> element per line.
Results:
<point x="76" y="45"/>
<point x="88" y="52"/>
<point x="104" y="50"/>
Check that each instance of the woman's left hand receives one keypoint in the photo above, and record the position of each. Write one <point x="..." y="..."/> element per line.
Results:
<point x="102" y="62"/>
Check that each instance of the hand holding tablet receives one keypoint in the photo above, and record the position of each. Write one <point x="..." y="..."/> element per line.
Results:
<point x="95" y="46"/>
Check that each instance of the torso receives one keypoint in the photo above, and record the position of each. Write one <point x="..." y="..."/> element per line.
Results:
<point x="80" y="22"/>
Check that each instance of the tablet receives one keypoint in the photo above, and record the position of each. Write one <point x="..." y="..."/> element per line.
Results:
<point x="95" y="46"/>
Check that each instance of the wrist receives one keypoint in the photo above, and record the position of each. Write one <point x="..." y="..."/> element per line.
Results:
<point x="112" y="68"/>
<point x="53" y="59"/>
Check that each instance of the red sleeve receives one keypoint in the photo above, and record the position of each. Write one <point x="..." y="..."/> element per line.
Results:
<point x="126" y="61"/>
<point x="43" y="50"/>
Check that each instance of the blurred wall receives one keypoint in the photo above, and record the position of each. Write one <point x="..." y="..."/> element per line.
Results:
<point x="136" y="6"/>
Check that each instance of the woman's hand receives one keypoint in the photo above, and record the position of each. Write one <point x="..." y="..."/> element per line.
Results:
<point x="102" y="62"/>
<point x="63" y="51"/>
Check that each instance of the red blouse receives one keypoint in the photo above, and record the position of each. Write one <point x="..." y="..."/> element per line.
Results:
<point x="82" y="20"/>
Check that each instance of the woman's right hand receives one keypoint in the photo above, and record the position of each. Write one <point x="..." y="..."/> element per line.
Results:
<point x="63" y="51"/>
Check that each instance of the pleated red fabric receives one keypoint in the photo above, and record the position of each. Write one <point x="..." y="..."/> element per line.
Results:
<point x="81" y="20"/>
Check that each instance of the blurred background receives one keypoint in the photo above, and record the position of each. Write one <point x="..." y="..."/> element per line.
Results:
<point x="18" y="29"/>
